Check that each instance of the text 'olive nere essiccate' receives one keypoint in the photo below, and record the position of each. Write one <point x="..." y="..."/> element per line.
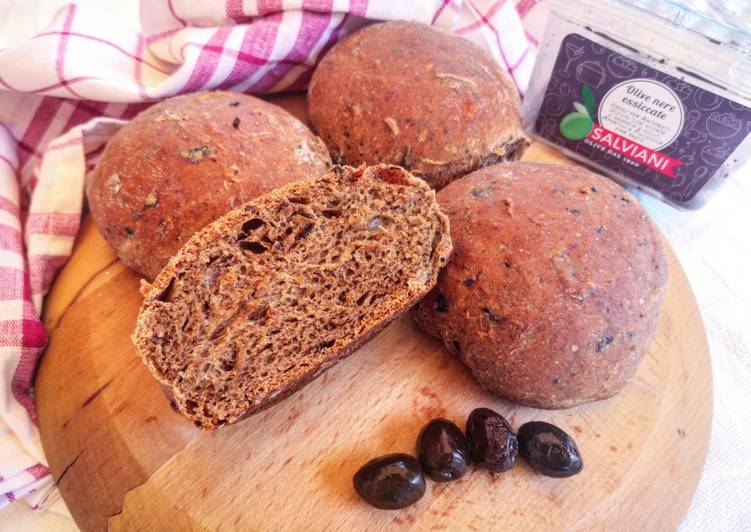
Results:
<point x="443" y="450"/>
<point x="390" y="482"/>
<point x="548" y="449"/>
<point x="491" y="440"/>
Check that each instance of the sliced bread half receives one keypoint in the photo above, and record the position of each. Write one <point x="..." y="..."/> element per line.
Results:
<point x="272" y="294"/>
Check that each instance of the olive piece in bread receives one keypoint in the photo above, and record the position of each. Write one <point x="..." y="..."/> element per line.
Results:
<point x="555" y="285"/>
<point x="423" y="98"/>
<point x="186" y="161"/>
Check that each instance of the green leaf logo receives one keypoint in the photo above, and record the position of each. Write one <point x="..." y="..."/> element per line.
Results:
<point x="588" y="100"/>
<point x="577" y="125"/>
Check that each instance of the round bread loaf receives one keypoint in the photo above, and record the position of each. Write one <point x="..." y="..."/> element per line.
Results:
<point x="188" y="160"/>
<point x="554" y="290"/>
<point x="408" y="94"/>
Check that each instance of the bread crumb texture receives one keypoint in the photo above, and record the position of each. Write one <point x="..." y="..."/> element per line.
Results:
<point x="272" y="294"/>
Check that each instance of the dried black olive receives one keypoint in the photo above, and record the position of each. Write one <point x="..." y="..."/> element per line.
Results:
<point x="390" y="482"/>
<point x="195" y="155"/>
<point x="441" y="303"/>
<point x="604" y="341"/>
<point x="548" y="449"/>
<point x="491" y="440"/>
<point x="443" y="450"/>
<point x="497" y="320"/>
<point x="482" y="192"/>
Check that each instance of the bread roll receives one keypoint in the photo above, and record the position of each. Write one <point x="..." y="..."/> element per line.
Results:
<point x="554" y="289"/>
<point x="408" y="94"/>
<point x="186" y="161"/>
<point x="272" y="294"/>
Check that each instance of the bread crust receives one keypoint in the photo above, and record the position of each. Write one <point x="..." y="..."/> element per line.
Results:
<point x="555" y="285"/>
<point x="408" y="94"/>
<point x="185" y="161"/>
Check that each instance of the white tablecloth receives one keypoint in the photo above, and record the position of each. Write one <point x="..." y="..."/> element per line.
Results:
<point x="714" y="248"/>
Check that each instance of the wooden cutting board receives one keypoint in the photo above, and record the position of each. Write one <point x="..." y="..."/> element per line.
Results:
<point x="124" y="460"/>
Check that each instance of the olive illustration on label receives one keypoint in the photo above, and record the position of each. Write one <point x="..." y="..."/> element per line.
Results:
<point x="579" y="124"/>
<point x="576" y="126"/>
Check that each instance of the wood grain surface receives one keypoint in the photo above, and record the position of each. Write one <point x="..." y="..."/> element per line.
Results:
<point x="125" y="460"/>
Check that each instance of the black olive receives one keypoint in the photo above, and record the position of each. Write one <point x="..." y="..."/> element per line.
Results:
<point x="443" y="450"/>
<point x="491" y="440"/>
<point x="390" y="482"/>
<point x="548" y="449"/>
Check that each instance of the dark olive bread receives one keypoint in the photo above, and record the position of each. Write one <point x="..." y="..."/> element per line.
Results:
<point x="186" y="161"/>
<point x="554" y="289"/>
<point x="408" y="94"/>
<point x="269" y="296"/>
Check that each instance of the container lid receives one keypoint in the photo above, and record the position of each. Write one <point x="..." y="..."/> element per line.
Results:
<point x="725" y="22"/>
<point x="708" y="40"/>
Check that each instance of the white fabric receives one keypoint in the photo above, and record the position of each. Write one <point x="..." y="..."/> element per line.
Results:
<point x="714" y="248"/>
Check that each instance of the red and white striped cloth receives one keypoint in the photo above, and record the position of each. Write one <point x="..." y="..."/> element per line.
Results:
<point x="66" y="87"/>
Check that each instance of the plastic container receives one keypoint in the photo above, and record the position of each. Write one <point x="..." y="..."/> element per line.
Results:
<point x="651" y="93"/>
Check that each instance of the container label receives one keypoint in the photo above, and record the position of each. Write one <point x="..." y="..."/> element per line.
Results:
<point x="656" y="129"/>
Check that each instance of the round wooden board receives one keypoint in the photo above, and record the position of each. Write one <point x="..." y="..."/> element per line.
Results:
<point x="124" y="460"/>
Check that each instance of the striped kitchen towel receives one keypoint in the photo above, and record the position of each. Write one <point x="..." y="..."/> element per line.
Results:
<point x="67" y="86"/>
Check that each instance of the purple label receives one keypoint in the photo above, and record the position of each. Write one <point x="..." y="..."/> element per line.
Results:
<point x="656" y="129"/>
